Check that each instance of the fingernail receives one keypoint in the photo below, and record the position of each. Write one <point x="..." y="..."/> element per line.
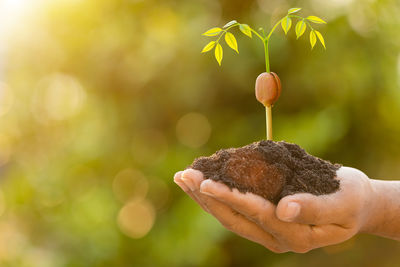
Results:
<point x="292" y="210"/>
<point x="203" y="188"/>
<point x="188" y="182"/>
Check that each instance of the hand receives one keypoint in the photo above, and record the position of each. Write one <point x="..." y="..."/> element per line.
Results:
<point x="299" y="222"/>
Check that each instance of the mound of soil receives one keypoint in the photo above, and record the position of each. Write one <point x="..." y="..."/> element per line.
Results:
<point x="270" y="169"/>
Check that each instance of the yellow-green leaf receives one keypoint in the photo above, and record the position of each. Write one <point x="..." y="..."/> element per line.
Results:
<point x="208" y="47"/>
<point x="230" y="23"/>
<point x="321" y="38"/>
<point x="286" y="24"/>
<point x="300" y="28"/>
<point x="218" y="53"/>
<point x="316" y="19"/>
<point x="213" y="31"/>
<point x="294" y="10"/>
<point x="245" y="29"/>
<point x="231" y="41"/>
<point x="313" y="39"/>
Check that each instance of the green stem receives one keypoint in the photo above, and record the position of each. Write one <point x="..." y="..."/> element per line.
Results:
<point x="273" y="29"/>
<point x="267" y="68"/>
<point x="268" y="109"/>
<point x="257" y="34"/>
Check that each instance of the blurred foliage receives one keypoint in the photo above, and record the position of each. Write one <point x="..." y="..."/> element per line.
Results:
<point x="101" y="102"/>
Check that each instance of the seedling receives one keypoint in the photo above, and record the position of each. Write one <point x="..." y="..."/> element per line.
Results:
<point x="268" y="85"/>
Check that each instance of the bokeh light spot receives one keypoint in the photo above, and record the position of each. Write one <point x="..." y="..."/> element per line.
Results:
<point x="12" y="240"/>
<point x="57" y="97"/>
<point x="363" y="20"/>
<point x="136" y="218"/>
<point x="193" y="130"/>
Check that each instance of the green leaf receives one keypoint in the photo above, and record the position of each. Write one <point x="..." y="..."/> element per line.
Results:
<point x="245" y="29"/>
<point x="316" y="20"/>
<point x="230" y="23"/>
<point x="313" y="39"/>
<point x="300" y="28"/>
<point x="213" y="31"/>
<point x="231" y="41"/>
<point x="286" y="24"/>
<point x="321" y="38"/>
<point x="218" y="53"/>
<point x="294" y="10"/>
<point x="208" y="47"/>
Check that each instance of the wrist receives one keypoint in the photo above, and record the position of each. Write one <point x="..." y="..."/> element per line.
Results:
<point x="375" y="208"/>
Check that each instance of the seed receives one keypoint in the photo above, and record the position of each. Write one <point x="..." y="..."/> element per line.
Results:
<point x="268" y="88"/>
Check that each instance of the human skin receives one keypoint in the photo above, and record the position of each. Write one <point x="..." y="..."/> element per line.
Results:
<point x="301" y="222"/>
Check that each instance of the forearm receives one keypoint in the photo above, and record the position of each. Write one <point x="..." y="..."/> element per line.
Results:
<point x="384" y="214"/>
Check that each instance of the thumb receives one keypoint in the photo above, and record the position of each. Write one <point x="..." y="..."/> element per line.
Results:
<point x="310" y="209"/>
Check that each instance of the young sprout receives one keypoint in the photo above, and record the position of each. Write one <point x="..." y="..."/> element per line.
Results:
<point x="268" y="85"/>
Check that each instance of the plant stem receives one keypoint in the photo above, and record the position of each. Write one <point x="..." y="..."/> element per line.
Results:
<point x="258" y="35"/>
<point x="268" y="109"/>
<point x="268" y="118"/>
<point x="266" y="55"/>
<point x="265" y="40"/>
<point x="273" y="29"/>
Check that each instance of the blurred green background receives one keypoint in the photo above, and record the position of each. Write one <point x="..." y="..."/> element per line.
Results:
<point x="102" y="101"/>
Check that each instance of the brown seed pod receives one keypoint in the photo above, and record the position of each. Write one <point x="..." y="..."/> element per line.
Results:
<point x="268" y="88"/>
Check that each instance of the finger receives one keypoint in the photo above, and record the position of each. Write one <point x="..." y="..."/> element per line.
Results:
<point x="240" y="225"/>
<point x="228" y="217"/>
<point x="310" y="209"/>
<point x="186" y="189"/>
<point x="192" y="179"/>
<point x="340" y="207"/>
<point x="250" y="205"/>
<point x="179" y="182"/>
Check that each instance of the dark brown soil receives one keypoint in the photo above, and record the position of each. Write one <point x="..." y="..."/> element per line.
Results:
<point x="270" y="169"/>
